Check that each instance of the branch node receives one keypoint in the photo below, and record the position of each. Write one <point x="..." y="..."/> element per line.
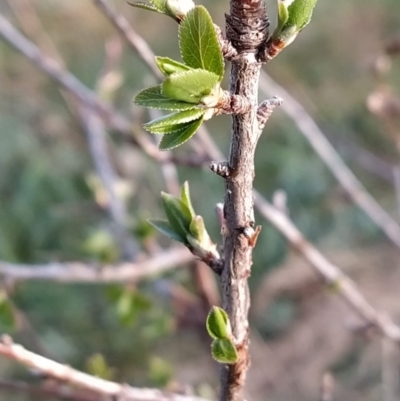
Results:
<point x="230" y="103"/>
<point x="221" y="168"/>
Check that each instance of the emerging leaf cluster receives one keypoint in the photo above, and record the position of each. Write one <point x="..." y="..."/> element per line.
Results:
<point x="293" y="16"/>
<point x="190" y="89"/>
<point x="183" y="225"/>
<point x="218" y="326"/>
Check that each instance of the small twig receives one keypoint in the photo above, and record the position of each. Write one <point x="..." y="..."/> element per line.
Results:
<point x="76" y="378"/>
<point x="265" y="110"/>
<point x="79" y="272"/>
<point x="342" y="284"/>
<point x="329" y="156"/>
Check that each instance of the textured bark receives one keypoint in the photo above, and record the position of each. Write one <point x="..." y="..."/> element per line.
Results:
<point x="247" y="29"/>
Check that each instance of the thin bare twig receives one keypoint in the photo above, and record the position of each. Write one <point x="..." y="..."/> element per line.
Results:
<point x="97" y="142"/>
<point x="342" y="284"/>
<point x="76" y="378"/>
<point x="330" y="157"/>
<point x="79" y="272"/>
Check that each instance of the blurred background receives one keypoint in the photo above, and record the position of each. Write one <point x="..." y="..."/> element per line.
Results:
<point x="342" y="69"/>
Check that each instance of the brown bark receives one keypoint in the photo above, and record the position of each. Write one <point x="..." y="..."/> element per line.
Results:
<point x="247" y="28"/>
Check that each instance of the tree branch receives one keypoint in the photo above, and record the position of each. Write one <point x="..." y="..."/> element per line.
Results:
<point x="78" y="272"/>
<point x="76" y="378"/>
<point x="247" y="26"/>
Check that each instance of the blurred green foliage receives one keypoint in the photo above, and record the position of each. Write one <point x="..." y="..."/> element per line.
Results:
<point x="49" y="212"/>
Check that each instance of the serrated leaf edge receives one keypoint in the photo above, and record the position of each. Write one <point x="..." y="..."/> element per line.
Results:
<point x="221" y="76"/>
<point x="199" y="122"/>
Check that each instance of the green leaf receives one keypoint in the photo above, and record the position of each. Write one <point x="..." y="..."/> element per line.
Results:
<point x="154" y="98"/>
<point x="198" y="42"/>
<point x="185" y="198"/>
<point x="174" y="119"/>
<point x="165" y="228"/>
<point x="190" y="86"/>
<point x="300" y="12"/>
<point x="283" y="15"/>
<point x="218" y="325"/>
<point x="169" y="129"/>
<point x="224" y="351"/>
<point x="198" y="229"/>
<point x="168" y="66"/>
<point x="148" y="7"/>
<point x="177" y="213"/>
<point x="180" y="136"/>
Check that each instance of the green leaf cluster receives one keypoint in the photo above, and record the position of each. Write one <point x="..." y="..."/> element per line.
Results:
<point x="218" y="326"/>
<point x="293" y="16"/>
<point x="183" y="225"/>
<point x="191" y="89"/>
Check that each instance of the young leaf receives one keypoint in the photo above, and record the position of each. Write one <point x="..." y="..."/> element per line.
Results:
<point x="158" y="6"/>
<point x="190" y="86"/>
<point x="177" y="213"/>
<point x="217" y="323"/>
<point x="198" y="229"/>
<point x="169" y="129"/>
<point x="300" y="12"/>
<point x="185" y="198"/>
<point x="145" y="6"/>
<point x="224" y="351"/>
<point x="180" y="136"/>
<point x="168" y="66"/>
<point x="198" y="42"/>
<point x="283" y="15"/>
<point x="154" y="98"/>
<point x="174" y="119"/>
<point x="165" y="228"/>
